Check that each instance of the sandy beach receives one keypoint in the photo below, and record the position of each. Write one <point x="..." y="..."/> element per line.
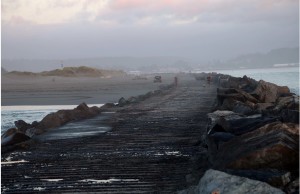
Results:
<point x="49" y="90"/>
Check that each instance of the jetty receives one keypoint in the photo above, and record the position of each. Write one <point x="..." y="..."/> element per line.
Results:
<point x="153" y="147"/>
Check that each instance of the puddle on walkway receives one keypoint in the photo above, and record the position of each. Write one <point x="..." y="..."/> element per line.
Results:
<point x="111" y="180"/>
<point x="87" y="127"/>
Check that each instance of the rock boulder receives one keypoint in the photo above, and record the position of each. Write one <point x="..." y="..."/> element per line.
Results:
<point x="107" y="106"/>
<point x="9" y="132"/>
<point x="236" y="94"/>
<point x="274" y="145"/>
<point x="62" y="117"/>
<point x="22" y="125"/>
<point x="269" y="92"/>
<point x="217" y="182"/>
<point x="291" y="116"/>
<point x="230" y="122"/>
<point x="14" y="138"/>
<point x="51" y="120"/>
<point x="122" y="102"/>
<point x="293" y="187"/>
<point x="274" y="177"/>
<point x="260" y="107"/>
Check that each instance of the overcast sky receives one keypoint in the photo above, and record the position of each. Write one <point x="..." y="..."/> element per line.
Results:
<point x="198" y="29"/>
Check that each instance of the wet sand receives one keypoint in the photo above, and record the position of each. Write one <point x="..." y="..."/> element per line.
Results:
<point x="74" y="90"/>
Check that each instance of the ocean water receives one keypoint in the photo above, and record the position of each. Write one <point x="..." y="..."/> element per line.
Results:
<point x="10" y="114"/>
<point x="288" y="76"/>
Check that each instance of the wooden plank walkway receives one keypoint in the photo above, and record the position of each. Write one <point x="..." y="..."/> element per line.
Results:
<point x="152" y="148"/>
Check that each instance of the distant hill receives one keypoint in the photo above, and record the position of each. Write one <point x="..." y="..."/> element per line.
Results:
<point x="81" y="71"/>
<point x="144" y="64"/>
<point x="3" y="71"/>
<point x="259" y="60"/>
<point x="154" y="64"/>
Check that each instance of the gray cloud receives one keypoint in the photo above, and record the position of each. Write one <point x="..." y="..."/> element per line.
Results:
<point x="199" y="30"/>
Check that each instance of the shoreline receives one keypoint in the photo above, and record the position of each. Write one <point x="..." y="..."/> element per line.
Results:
<point x="30" y="113"/>
<point x="41" y="107"/>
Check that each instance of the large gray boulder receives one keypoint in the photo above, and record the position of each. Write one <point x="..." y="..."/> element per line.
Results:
<point x="236" y="100"/>
<point x="22" y="125"/>
<point x="269" y="92"/>
<point x="274" y="145"/>
<point x="9" y="132"/>
<point x="289" y="102"/>
<point x="245" y="83"/>
<point x="245" y="108"/>
<point x="14" y="138"/>
<point x="287" y="108"/>
<point x="107" y="106"/>
<point x="230" y="122"/>
<point x="293" y="187"/>
<point x="122" y="102"/>
<point x="236" y="94"/>
<point x="215" y="117"/>
<point x="51" y="120"/>
<point x="274" y="177"/>
<point x="291" y="116"/>
<point x="217" y="182"/>
<point x="133" y="99"/>
<point x="261" y="107"/>
<point x="62" y="117"/>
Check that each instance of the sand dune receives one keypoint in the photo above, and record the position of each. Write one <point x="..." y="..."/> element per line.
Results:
<point x="81" y="71"/>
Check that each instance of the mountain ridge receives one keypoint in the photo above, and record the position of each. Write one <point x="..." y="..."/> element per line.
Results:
<point x="160" y="63"/>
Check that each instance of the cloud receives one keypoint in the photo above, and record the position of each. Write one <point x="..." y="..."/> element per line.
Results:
<point x="50" y="11"/>
<point x="140" y="11"/>
<point x="164" y="11"/>
<point x="192" y="11"/>
<point x="199" y="28"/>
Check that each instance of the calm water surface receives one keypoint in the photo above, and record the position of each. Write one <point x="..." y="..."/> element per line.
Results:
<point x="288" y="76"/>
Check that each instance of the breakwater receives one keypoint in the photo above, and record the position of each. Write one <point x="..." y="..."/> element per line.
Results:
<point x="153" y="147"/>
<point x="253" y="132"/>
<point x="168" y="141"/>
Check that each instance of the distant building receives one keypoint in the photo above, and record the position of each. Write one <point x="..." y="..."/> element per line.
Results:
<point x="134" y="72"/>
<point x="286" y="65"/>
